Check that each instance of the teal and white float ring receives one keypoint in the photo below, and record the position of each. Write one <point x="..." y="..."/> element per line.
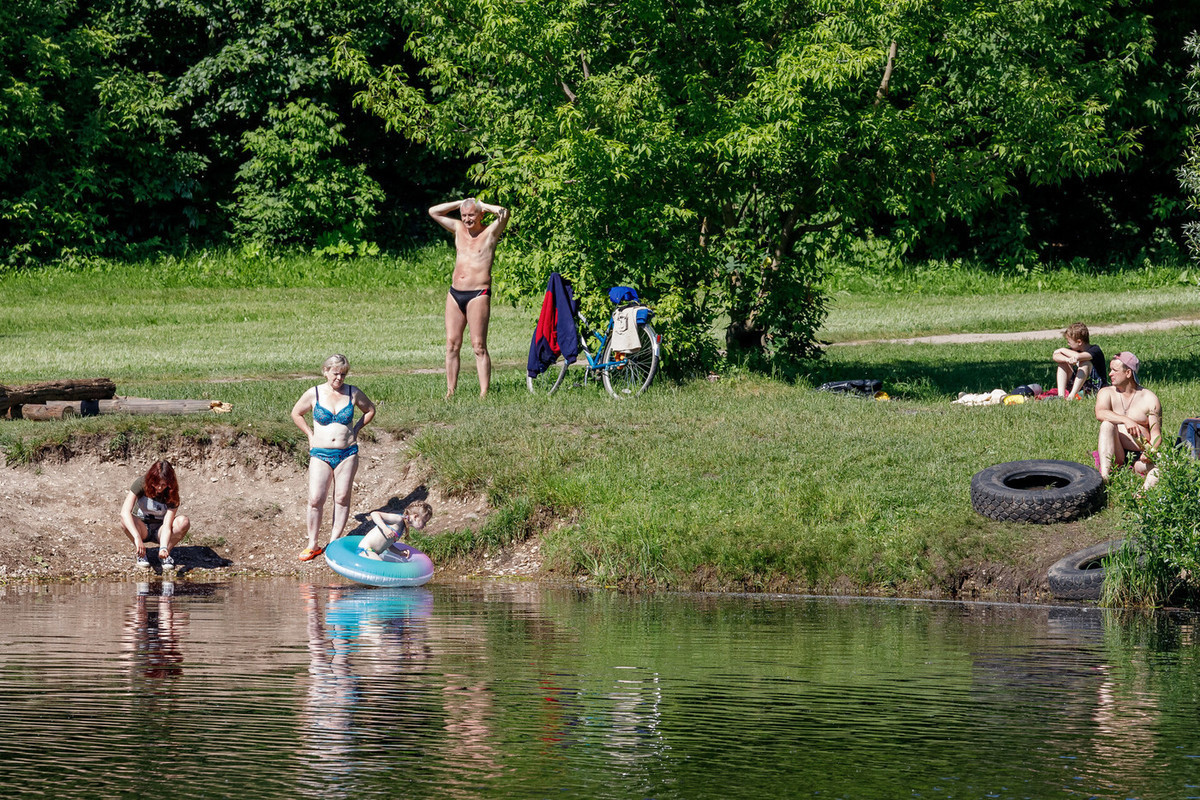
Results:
<point x="396" y="569"/>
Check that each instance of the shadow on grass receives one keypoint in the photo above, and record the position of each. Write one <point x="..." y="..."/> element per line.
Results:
<point x="931" y="380"/>
<point x="395" y="505"/>
<point x="938" y="376"/>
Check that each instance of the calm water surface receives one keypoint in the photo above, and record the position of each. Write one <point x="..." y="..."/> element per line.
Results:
<point x="280" y="689"/>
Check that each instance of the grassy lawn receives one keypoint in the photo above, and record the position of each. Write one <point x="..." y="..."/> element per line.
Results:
<point x="745" y="481"/>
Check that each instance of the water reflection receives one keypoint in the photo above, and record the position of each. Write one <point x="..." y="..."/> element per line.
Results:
<point x="151" y="636"/>
<point x="354" y="633"/>
<point x="286" y="690"/>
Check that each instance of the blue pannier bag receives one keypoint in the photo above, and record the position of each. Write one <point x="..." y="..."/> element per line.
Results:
<point x="1189" y="436"/>
<point x="643" y="315"/>
<point x="622" y="294"/>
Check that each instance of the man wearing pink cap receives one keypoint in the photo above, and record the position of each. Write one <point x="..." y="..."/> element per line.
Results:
<point x="1130" y="420"/>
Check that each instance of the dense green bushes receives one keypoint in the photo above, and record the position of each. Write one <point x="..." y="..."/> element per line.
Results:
<point x="129" y="127"/>
<point x="294" y="190"/>
<point x="1160" y="561"/>
<point x="712" y="154"/>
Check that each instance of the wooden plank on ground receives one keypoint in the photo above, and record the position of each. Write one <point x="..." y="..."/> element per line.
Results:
<point x="41" y="412"/>
<point x="139" y="405"/>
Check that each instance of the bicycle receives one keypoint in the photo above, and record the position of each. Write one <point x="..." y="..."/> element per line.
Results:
<point x="624" y="373"/>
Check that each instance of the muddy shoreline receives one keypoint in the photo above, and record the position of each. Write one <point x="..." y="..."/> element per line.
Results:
<point x="246" y="501"/>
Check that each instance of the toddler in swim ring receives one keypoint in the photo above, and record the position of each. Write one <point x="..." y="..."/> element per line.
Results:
<point x="390" y="528"/>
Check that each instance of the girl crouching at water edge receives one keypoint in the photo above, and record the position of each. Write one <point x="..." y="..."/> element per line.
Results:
<point x="332" y="447"/>
<point x="149" y="514"/>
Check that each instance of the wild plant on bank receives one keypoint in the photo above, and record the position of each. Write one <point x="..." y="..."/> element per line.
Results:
<point x="1160" y="560"/>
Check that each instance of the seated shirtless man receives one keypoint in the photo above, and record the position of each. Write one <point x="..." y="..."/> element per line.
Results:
<point x="1130" y="420"/>
<point x="469" y="303"/>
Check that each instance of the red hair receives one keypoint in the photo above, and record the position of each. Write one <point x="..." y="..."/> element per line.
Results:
<point x="161" y="484"/>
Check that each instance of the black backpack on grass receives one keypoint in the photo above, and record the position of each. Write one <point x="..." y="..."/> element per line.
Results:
<point x="1189" y="435"/>
<point x="865" y="387"/>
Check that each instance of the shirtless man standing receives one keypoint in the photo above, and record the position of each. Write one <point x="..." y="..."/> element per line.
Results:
<point x="469" y="301"/>
<point x="1130" y="420"/>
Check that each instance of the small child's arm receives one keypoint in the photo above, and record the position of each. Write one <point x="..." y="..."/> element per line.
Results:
<point x="1065" y="356"/>
<point x="390" y="525"/>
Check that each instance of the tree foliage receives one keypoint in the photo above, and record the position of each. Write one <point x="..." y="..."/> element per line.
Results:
<point x="123" y="124"/>
<point x="707" y="151"/>
<point x="84" y="141"/>
<point x="1189" y="173"/>
<point x="295" y="190"/>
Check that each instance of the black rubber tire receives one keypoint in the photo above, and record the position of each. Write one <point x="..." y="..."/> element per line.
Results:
<point x="1080" y="576"/>
<point x="1038" y="491"/>
<point x="549" y="381"/>
<point x="637" y="369"/>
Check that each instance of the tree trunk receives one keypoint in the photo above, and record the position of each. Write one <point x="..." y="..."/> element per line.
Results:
<point x="743" y="336"/>
<point x="36" y="393"/>
<point x="40" y="411"/>
<point x="134" y="405"/>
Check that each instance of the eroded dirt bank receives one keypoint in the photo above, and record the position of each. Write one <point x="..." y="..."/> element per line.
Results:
<point x="246" y="502"/>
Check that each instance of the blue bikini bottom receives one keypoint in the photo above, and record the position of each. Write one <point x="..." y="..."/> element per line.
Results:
<point x="333" y="455"/>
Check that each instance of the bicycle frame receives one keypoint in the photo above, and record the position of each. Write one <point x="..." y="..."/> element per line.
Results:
<point x="624" y="374"/>
<point x="594" y="363"/>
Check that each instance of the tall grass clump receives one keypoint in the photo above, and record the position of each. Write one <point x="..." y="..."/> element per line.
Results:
<point x="1160" y="560"/>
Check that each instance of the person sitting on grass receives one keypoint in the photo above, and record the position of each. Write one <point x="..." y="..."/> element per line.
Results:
<point x="1079" y="364"/>
<point x="1130" y="418"/>
<point x="148" y="515"/>
<point x="390" y="528"/>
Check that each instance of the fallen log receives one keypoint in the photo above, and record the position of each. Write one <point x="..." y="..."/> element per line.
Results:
<point x="41" y="411"/>
<point x="140" y="405"/>
<point x="40" y="393"/>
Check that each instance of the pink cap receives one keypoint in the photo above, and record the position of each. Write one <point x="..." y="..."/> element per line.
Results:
<point x="1130" y="360"/>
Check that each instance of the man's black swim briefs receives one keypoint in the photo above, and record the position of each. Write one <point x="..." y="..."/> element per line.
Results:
<point x="462" y="298"/>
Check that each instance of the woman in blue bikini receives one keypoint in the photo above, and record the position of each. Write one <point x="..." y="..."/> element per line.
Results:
<point x="332" y="447"/>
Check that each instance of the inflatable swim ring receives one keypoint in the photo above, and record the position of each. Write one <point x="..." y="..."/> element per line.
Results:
<point x="359" y="611"/>
<point x="394" y="570"/>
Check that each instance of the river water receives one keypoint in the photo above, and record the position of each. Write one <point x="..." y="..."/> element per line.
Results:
<point x="275" y="688"/>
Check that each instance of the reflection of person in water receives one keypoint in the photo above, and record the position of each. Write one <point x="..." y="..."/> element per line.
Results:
<point x="1126" y="721"/>
<point x="332" y="694"/>
<point x="468" y="726"/>
<point x="355" y="638"/>
<point x="151" y="634"/>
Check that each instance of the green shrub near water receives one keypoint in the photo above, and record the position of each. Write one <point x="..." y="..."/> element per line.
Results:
<point x="1160" y="560"/>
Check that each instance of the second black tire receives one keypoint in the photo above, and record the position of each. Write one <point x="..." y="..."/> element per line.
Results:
<point x="1040" y="491"/>
<point x="1080" y="576"/>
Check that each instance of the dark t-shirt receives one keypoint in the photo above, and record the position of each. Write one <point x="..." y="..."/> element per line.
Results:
<point x="1097" y="379"/>
<point x="147" y="507"/>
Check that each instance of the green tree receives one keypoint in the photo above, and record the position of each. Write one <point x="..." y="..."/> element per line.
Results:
<point x="1189" y="173"/>
<point x="296" y="189"/>
<point x="84" y="142"/>
<point x="123" y="124"/>
<point x="709" y="152"/>
<point x="232" y="66"/>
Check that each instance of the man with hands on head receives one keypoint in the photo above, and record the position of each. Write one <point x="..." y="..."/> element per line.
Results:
<point x="468" y="303"/>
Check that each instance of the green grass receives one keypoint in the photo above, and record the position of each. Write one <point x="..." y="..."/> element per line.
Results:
<point x="745" y="482"/>
<point x="935" y="299"/>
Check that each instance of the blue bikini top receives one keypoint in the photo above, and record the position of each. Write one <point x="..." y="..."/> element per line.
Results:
<point x="323" y="416"/>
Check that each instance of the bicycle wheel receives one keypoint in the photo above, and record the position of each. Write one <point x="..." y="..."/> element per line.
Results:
<point x="628" y="374"/>
<point x="549" y="380"/>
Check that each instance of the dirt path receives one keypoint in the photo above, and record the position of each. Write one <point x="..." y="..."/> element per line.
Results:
<point x="1026" y="336"/>
<point x="246" y="502"/>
